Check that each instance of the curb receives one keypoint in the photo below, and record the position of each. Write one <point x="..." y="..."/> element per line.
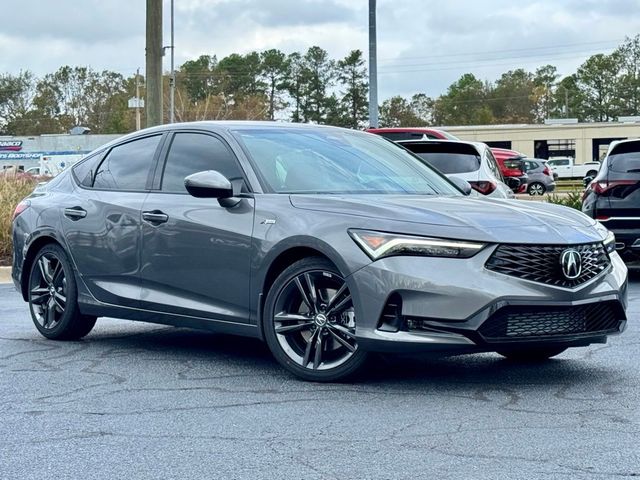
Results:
<point x="5" y="275"/>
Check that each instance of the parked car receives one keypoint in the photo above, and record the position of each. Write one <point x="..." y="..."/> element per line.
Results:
<point x="566" y="168"/>
<point x="411" y="133"/>
<point x="613" y="196"/>
<point x="541" y="178"/>
<point x="511" y="166"/>
<point x="470" y="161"/>
<point x="326" y="243"/>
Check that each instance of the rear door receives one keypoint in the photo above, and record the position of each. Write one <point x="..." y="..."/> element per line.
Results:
<point x="101" y="221"/>
<point x="196" y="253"/>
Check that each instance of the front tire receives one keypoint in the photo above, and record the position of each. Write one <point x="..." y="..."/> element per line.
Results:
<point x="309" y="322"/>
<point x="53" y="297"/>
<point x="531" y="354"/>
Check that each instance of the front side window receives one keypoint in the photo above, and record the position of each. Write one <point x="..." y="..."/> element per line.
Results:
<point x="127" y="166"/>
<point x="196" y="152"/>
<point x="324" y="160"/>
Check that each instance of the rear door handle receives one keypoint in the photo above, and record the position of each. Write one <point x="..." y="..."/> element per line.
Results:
<point x="155" y="216"/>
<point x="75" y="213"/>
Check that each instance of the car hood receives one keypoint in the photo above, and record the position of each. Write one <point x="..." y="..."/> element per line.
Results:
<point x="482" y="219"/>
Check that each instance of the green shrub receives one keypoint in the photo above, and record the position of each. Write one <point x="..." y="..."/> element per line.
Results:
<point x="12" y="190"/>
<point x="570" y="199"/>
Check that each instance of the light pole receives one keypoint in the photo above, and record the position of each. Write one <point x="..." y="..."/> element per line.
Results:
<point x="373" y="67"/>
<point x="172" y="78"/>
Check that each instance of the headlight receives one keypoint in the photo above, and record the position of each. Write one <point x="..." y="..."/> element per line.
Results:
<point x="610" y="242"/>
<point x="381" y="244"/>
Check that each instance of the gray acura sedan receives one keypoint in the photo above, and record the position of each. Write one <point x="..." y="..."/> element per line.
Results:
<point x="326" y="243"/>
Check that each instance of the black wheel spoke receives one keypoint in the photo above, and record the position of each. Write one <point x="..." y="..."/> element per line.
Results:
<point x="340" y="306"/>
<point x="60" y="297"/>
<point x="309" y="349"/>
<point x="317" y="358"/>
<point x="291" y="317"/>
<point x="335" y="297"/>
<point x="313" y="296"/>
<point x="305" y="297"/>
<point x="343" y="330"/>
<point x="342" y="341"/>
<point x="40" y="299"/>
<point x="43" y="265"/>
<point x="51" y="314"/>
<point x="57" y="273"/>
<point x="288" y="329"/>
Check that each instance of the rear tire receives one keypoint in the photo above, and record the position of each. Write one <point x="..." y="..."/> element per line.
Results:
<point x="53" y="297"/>
<point x="529" y="354"/>
<point x="536" y="188"/>
<point x="309" y="322"/>
<point x="591" y="173"/>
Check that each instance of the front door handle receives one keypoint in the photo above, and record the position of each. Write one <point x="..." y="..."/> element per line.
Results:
<point x="155" y="216"/>
<point x="75" y="213"/>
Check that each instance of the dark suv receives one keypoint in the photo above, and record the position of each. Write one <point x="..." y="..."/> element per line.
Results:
<point x="613" y="196"/>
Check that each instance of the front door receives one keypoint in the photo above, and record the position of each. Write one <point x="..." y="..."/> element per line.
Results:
<point x="196" y="253"/>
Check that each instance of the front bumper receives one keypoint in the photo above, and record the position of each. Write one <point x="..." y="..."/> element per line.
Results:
<point x="445" y="305"/>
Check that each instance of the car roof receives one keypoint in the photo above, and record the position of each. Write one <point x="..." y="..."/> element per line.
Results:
<point x="219" y="125"/>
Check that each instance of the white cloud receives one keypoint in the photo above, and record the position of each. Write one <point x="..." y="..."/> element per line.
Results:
<point x="422" y="46"/>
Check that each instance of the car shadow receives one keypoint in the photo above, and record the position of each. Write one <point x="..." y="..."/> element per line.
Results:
<point x="406" y="371"/>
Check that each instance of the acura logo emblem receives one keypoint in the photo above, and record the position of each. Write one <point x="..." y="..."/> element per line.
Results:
<point x="571" y="262"/>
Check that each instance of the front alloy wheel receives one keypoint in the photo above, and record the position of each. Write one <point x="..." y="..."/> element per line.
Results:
<point x="312" y="322"/>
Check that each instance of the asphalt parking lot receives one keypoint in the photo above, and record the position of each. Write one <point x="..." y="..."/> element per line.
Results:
<point x="136" y="400"/>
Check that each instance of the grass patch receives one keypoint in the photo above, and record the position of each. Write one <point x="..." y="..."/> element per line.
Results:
<point x="12" y="190"/>
<point x="570" y="199"/>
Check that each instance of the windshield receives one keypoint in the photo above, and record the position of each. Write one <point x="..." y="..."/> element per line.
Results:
<point x="324" y="160"/>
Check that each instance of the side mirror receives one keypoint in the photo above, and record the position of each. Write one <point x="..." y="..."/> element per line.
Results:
<point x="462" y="184"/>
<point x="587" y="180"/>
<point x="208" y="184"/>
<point x="513" y="183"/>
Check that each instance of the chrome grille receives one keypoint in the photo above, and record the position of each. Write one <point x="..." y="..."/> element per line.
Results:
<point x="541" y="263"/>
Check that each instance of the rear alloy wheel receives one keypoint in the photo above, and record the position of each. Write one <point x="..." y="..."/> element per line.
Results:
<point x="53" y="297"/>
<point x="310" y="322"/>
<point x="536" y="188"/>
<point x="529" y="354"/>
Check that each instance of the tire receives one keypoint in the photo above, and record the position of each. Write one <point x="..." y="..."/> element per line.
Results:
<point x="591" y="173"/>
<point x="531" y="354"/>
<point x="536" y="188"/>
<point x="53" y="297"/>
<point x="309" y="322"/>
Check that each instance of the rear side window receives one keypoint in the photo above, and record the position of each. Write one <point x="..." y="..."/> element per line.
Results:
<point x="85" y="169"/>
<point x="127" y="166"/>
<point x="447" y="157"/>
<point x="197" y="152"/>
<point x="625" y="158"/>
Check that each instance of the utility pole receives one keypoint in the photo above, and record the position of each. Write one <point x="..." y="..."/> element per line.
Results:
<point x="172" y="78"/>
<point x="154" y="63"/>
<point x="138" y="99"/>
<point x="373" y="67"/>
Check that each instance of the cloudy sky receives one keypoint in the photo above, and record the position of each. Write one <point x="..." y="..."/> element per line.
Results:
<point x="423" y="45"/>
